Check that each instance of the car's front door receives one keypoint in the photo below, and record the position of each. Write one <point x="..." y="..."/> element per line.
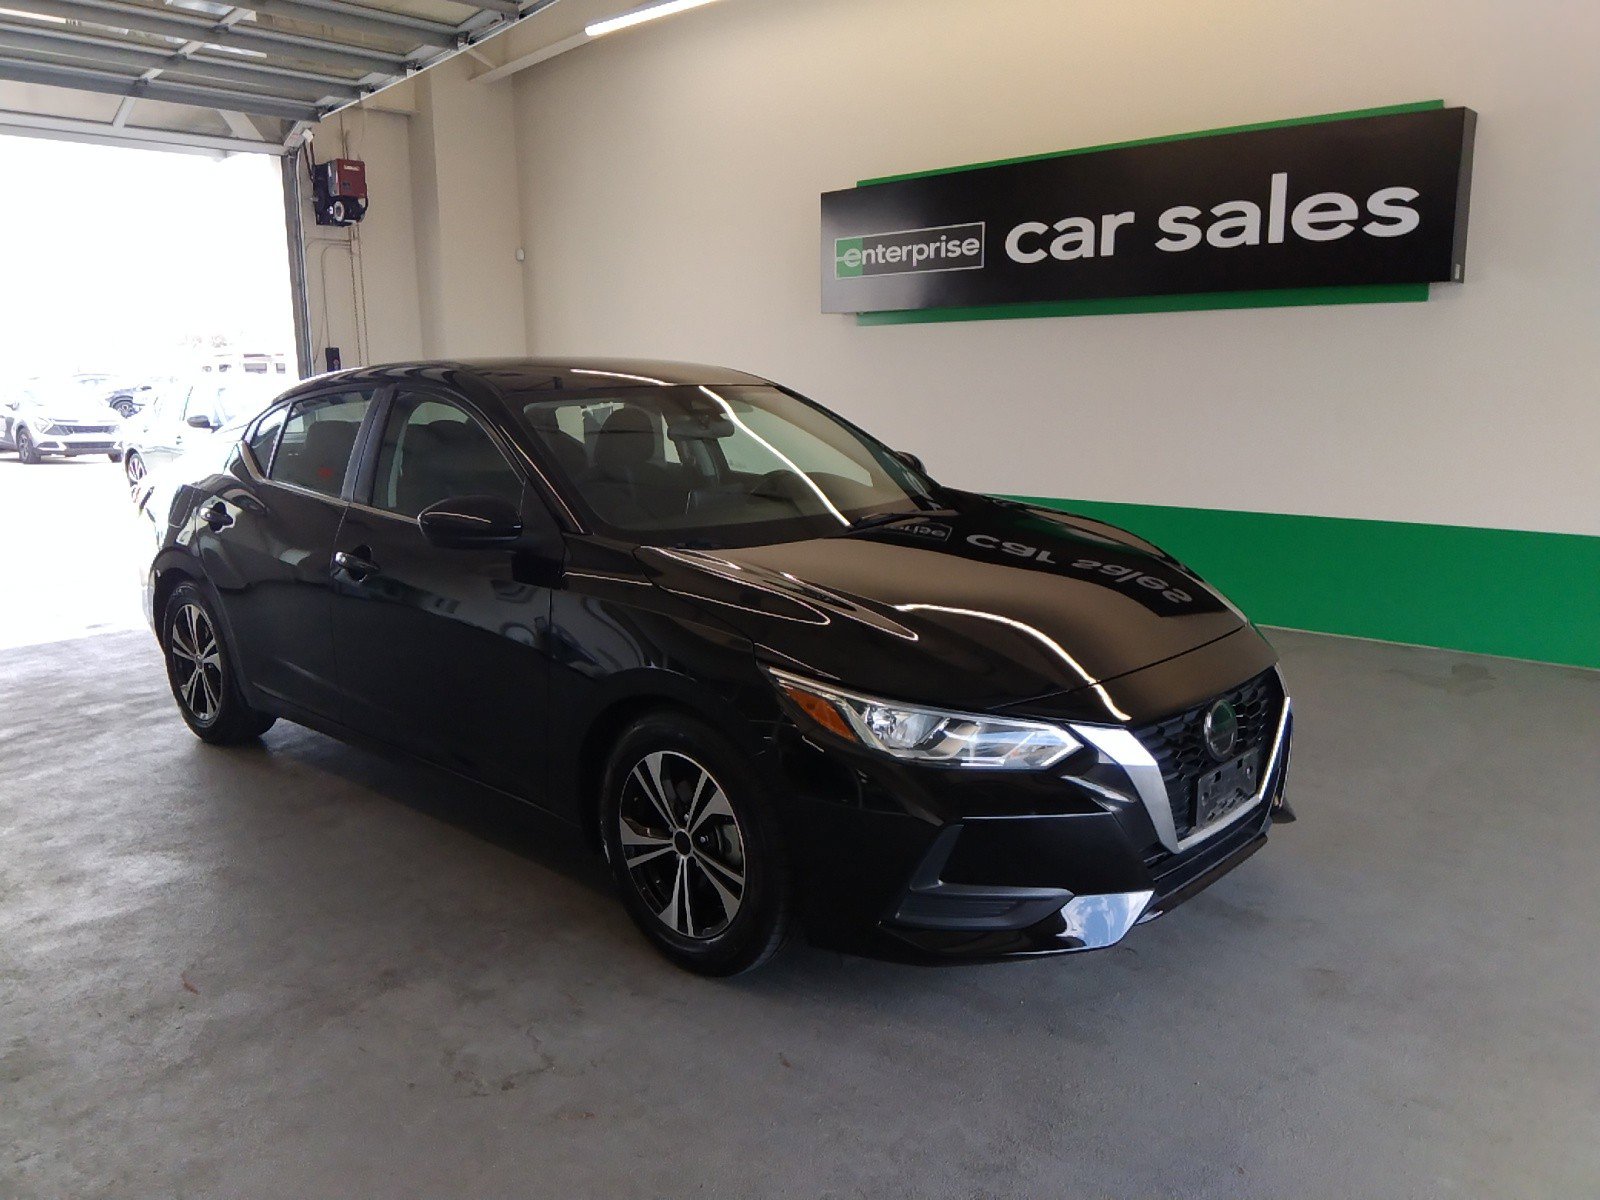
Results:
<point x="443" y="651"/>
<point x="164" y="433"/>
<point x="267" y="542"/>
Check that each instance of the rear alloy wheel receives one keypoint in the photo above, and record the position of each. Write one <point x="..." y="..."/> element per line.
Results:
<point x="197" y="669"/>
<point x="694" y="848"/>
<point x="26" y="451"/>
<point x="133" y="464"/>
<point x="125" y="408"/>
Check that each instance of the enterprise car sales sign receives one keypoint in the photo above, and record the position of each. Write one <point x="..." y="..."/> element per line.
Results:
<point x="1359" y="200"/>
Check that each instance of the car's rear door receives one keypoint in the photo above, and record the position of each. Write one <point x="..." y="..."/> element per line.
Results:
<point x="163" y="433"/>
<point x="442" y="651"/>
<point x="267" y="544"/>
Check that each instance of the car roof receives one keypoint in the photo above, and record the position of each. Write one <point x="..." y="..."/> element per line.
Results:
<point x="556" y="375"/>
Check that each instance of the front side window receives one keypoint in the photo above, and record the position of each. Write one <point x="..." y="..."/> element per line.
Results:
<point x="198" y="402"/>
<point x="432" y="451"/>
<point x="317" y="440"/>
<point x="710" y="466"/>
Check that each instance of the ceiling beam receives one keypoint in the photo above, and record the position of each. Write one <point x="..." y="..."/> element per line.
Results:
<point x="137" y="59"/>
<point x="360" y="19"/>
<point x="534" y="57"/>
<point x="166" y="23"/>
<point x="72" y="129"/>
<point x="83" y="79"/>
<point x="241" y="126"/>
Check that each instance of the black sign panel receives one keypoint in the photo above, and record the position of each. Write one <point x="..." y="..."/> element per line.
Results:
<point x="1361" y="200"/>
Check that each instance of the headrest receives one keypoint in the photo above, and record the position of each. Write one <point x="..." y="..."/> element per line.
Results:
<point x="627" y="439"/>
<point x="327" y="449"/>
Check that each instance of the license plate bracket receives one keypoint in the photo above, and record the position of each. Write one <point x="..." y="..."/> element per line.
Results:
<point x="1225" y="787"/>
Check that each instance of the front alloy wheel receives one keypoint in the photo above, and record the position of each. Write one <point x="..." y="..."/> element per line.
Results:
<point x="197" y="668"/>
<point x="196" y="664"/>
<point x="133" y="464"/>
<point x="26" y="451"/>
<point x="681" y="844"/>
<point x="694" y="845"/>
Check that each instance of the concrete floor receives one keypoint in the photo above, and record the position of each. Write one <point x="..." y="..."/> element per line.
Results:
<point x="299" y="970"/>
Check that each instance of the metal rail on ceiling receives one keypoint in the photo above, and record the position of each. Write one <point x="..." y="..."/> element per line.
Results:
<point x="334" y="54"/>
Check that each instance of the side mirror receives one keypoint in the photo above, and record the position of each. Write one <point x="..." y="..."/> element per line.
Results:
<point x="470" y="522"/>
<point x="912" y="461"/>
<point x="202" y="421"/>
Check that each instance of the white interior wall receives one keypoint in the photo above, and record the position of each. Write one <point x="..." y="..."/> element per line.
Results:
<point x="431" y="271"/>
<point x="371" y="270"/>
<point x="669" y="183"/>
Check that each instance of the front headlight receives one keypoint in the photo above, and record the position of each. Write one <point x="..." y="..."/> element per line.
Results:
<point x="43" y="425"/>
<point x="928" y="735"/>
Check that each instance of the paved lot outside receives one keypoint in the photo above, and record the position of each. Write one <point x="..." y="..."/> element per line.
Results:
<point x="72" y="551"/>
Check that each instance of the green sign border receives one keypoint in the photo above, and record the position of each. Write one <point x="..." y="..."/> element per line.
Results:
<point x="1393" y="293"/>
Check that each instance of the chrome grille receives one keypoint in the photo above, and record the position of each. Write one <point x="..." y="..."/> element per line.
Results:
<point x="1177" y="743"/>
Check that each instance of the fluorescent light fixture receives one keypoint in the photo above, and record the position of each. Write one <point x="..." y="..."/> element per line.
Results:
<point x="637" y="16"/>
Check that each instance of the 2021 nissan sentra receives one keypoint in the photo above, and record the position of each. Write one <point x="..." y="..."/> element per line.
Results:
<point x="779" y="676"/>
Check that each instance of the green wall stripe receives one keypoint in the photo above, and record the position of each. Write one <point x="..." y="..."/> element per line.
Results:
<point x="1381" y="293"/>
<point x="1320" y="119"/>
<point x="1490" y="591"/>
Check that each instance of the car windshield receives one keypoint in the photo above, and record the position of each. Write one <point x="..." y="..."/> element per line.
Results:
<point x="718" y="466"/>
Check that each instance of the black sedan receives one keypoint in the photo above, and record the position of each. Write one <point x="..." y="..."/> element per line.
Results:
<point x="779" y="676"/>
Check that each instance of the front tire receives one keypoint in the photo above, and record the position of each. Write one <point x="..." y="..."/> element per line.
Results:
<point x="200" y="675"/>
<point x="694" y="846"/>
<point x="133" y="467"/>
<point x="26" y="451"/>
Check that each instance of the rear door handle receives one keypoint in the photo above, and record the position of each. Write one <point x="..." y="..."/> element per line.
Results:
<point x="216" y="515"/>
<point x="354" y="564"/>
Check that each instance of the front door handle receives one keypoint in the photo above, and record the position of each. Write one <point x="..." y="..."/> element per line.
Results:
<point x="355" y="564"/>
<point x="216" y="516"/>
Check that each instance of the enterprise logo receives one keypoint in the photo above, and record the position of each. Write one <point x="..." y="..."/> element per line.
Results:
<point x="904" y="251"/>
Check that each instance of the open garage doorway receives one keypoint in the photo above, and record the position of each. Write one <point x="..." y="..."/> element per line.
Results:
<point x="141" y="285"/>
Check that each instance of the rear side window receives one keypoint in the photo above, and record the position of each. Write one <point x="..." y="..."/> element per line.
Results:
<point x="317" y="441"/>
<point x="266" y="437"/>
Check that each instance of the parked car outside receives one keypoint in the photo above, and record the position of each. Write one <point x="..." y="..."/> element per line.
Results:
<point x="777" y="674"/>
<point x="186" y="415"/>
<point x="41" y="421"/>
<point x="130" y="396"/>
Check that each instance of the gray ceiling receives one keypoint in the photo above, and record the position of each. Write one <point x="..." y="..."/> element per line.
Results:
<point x="215" y="77"/>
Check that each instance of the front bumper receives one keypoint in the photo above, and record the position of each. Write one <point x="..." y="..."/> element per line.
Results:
<point x="974" y="870"/>
<point x="70" y="445"/>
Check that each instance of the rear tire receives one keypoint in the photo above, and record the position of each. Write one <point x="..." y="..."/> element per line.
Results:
<point x="200" y="675"/>
<point x="695" y="846"/>
<point x="26" y="451"/>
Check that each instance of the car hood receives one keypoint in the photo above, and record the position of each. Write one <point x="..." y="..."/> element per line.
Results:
<point x="982" y="605"/>
<point x="72" y="414"/>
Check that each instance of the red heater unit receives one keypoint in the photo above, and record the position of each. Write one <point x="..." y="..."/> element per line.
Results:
<point x="339" y="191"/>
